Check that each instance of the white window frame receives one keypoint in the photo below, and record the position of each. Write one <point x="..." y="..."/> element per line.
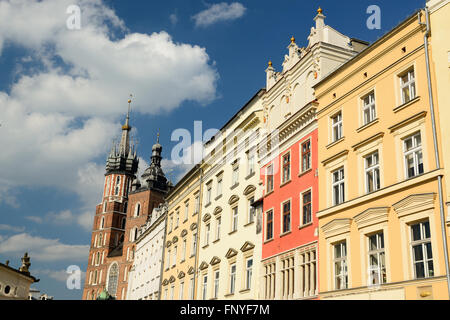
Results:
<point x="377" y="269"/>
<point x="248" y="273"/>
<point x="344" y="265"/>
<point x="218" y="227"/>
<point x="302" y="221"/>
<point x="415" y="150"/>
<point x="374" y="170"/>
<point x="302" y="168"/>
<point x="205" y="287"/>
<point x="339" y="125"/>
<point x="232" y="278"/>
<point x="270" y="168"/>
<point x="422" y="242"/>
<point x="283" y="180"/>
<point x="216" y="283"/>
<point x="369" y="107"/>
<point x="273" y="224"/>
<point x="234" y="218"/>
<point x="235" y="175"/>
<point x="410" y="85"/>
<point x="340" y="184"/>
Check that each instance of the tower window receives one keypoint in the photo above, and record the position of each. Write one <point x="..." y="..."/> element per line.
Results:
<point x="117" y="189"/>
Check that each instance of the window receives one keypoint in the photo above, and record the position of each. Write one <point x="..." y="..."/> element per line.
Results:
<point x="205" y="287"/>
<point x="408" y="86"/>
<point x="413" y="155"/>
<point x="172" y="291"/>
<point x="369" y="113"/>
<point x="248" y="273"/>
<point x="286" y="168"/>
<point x="338" y="186"/>
<point x="197" y="204"/>
<point x="137" y="210"/>
<point x="166" y="290"/>
<point x="340" y="266"/>
<point x="306" y="156"/>
<point x="124" y="221"/>
<point x="269" y="225"/>
<point x="194" y="244"/>
<point x="125" y="207"/>
<point x="232" y="278"/>
<point x="219" y="186"/>
<point x="208" y="193"/>
<point x="186" y="211"/>
<point x="306" y="208"/>
<point x="99" y="244"/>
<point x="177" y="218"/>
<point x="174" y="262"/>
<point x="181" y="294"/>
<point x="287" y="216"/>
<point x="270" y="280"/>
<point x="102" y="223"/>
<point x="168" y="259"/>
<point x="269" y="175"/>
<point x="421" y="250"/>
<point x="107" y="187"/>
<point x="104" y="206"/>
<point x="250" y="163"/>
<point x="216" y="284"/>
<point x="235" y="177"/>
<point x="235" y="219"/>
<point x="113" y="277"/>
<point x="218" y="225"/>
<point x="251" y="210"/>
<point x="207" y="232"/>
<point x="377" y="263"/>
<point x="116" y="191"/>
<point x="336" y="123"/>
<point x="308" y="274"/>
<point x="287" y="276"/>
<point x="372" y="169"/>
<point x="170" y="223"/>
<point x="184" y="250"/>
<point x="191" y="289"/>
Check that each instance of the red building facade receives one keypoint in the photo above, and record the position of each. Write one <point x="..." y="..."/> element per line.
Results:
<point x="290" y="203"/>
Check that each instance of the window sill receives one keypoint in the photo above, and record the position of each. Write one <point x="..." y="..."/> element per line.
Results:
<point x="215" y="241"/>
<point x="269" y="193"/>
<point x="250" y="175"/>
<point x="229" y="295"/>
<point x="192" y="255"/>
<point x="267" y="241"/>
<point x="173" y="266"/>
<point x="218" y="197"/>
<point x="285" y="183"/>
<point x="234" y="186"/>
<point x="249" y="224"/>
<point x="205" y="246"/>
<point x="367" y="125"/>
<point x="335" y="143"/>
<point x="207" y="205"/>
<point x="182" y="261"/>
<point x="301" y="174"/>
<point x="406" y="104"/>
<point x="303" y="226"/>
<point x="245" y="290"/>
<point x="231" y="232"/>
<point x="285" y="234"/>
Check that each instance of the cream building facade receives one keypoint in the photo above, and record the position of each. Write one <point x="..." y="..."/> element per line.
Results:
<point x="380" y="215"/>
<point x="15" y="283"/>
<point x="144" y="278"/>
<point x="181" y="242"/>
<point x="230" y="228"/>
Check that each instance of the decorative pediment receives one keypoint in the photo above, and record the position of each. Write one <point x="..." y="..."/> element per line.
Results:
<point x="168" y="244"/>
<point x="172" y="279"/>
<point x="165" y="282"/>
<point x="217" y="210"/>
<point x="214" y="261"/>
<point x="203" y="266"/>
<point x="304" y="117"/>
<point x="231" y="253"/>
<point x="372" y="216"/>
<point x="206" y="217"/>
<point x="193" y="226"/>
<point x="233" y="199"/>
<point x="175" y="239"/>
<point x="191" y="270"/>
<point x="184" y="233"/>
<point x="414" y="203"/>
<point x="336" y="227"/>
<point x="249" y="190"/>
<point x="247" y="246"/>
<point x="181" y="275"/>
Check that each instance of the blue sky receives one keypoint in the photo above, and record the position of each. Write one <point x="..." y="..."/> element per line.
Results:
<point x="63" y="93"/>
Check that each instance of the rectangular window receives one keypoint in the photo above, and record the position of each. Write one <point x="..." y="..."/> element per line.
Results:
<point x="174" y="262"/>
<point x="269" y="225"/>
<point x="197" y="204"/>
<point x="208" y="193"/>
<point x="184" y="250"/>
<point x="377" y="263"/>
<point x="216" y="284"/>
<point x="235" y="176"/>
<point x="186" y="211"/>
<point x="408" y="86"/>
<point x="287" y="216"/>
<point x="248" y="273"/>
<point x="207" y="232"/>
<point x="338" y="186"/>
<point x="177" y="221"/>
<point x="286" y="168"/>
<point x="306" y="208"/>
<point x="181" y="295"/>
<point x="251" y="210"/>
<point x="235" y="219"/>
<point x="172" y="292"/>
<point x="340" y="266"/>
<point x="372" y="169"/>
<point x="218" y="225"/>
<point x="306" y="156"/>
<point x="191" y="289"/>
<point x="308" y="274"/>
<point x="165" y="293"/>
<point x="205" y="287"/>
<point x="219" y="186"/>
<point x="171" y="223"/>
<point x="194" y="244"/>
<point x="336" y="123"/>
<point x="269" y="175"/>
<point x="232" y="278"/>
<point x="168" y="260"/>
<point x="369" y="112"/>
<point x="250" y="163"/>
<point x="421" y="250"/>
<point x="413" y="155"/>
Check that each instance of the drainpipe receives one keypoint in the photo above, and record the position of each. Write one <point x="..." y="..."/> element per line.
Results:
<point x="163" y="251"/>
<point x="436" y="147"/>
<point x="197" y="250"/>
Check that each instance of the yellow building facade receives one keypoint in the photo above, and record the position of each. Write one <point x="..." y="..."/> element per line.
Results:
<point x="181" y="240"/>
<point x="380" y="226"/>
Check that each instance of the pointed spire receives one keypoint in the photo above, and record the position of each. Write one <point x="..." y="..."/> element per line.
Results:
<point x="125" y="141"/>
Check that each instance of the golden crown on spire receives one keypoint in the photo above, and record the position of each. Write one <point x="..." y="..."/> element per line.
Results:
<point x="270" y="63"/>
<point x="292" y="39"/>
<point x="319" y="11"/>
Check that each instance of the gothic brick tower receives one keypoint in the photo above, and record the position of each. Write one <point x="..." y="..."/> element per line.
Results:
<point x="126" y="205"/>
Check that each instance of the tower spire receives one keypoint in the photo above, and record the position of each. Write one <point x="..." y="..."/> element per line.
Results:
<point x="124" y="148"/>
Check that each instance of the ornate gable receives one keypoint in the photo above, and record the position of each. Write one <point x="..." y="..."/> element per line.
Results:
<point x="233" y="199"/>
<point x="168" y="244"/>
<point x="175" y="239"/>
<point x="249" y="190"/>
<point x="172" y="279"/>
<point x="191" y="270"/>
<point x="217" y="210"/>
<point x="193" y="226"/>
<point x="231" y="253"/>
<point x="181" y="275"/>
<point x="414" y="203"/>
<point x="184" y="233"/>
<point x="247" y="246"/>
<point x="372" y="216"/>
<point x="336" y="227"/>
<point x="214" y="261"/>
<point x="206" y="217"/>
<point x="203" y="266"/>
<point x="165" y="282"/>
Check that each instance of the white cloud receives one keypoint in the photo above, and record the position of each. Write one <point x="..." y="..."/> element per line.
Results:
<point x="173" y="18"/>
<point x="6" y="227"/>
<point x="219" y="12"/>
<point x="58" y="119"/>
<point x="42" y="249"/>
<point x="59" y="275"/>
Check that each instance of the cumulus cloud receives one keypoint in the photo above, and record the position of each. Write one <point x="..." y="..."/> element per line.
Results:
<point x="58" y="275"/>
<point x="173" y="19"/>
<point x="42" y="249"/>
<point x="219" y="12"/>
<point x="71" y="89"/>
<point x="6" y="227"/>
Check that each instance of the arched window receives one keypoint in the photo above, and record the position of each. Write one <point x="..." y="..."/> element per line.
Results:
<point x="124" y="221"/>
<point x="99" y="240"/>
<point x="116" y="192"/>
<point x="102" y="223"/>
<point x="97" y="259"/>
<point x="104" y="206"/>
<point x="107" y="187"/>
<point x="132" y="253"/>
<point x="135" y="234"/>
<point x="95" y="277"/>
<point x="113" y="277"/>
<point x="137" y="210"/>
